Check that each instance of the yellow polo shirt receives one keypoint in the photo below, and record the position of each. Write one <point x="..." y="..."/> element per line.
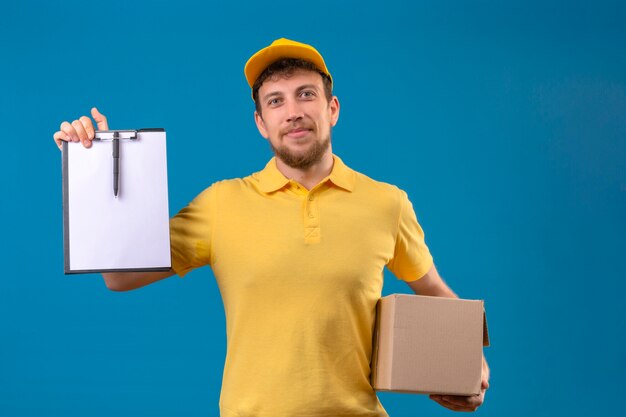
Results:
<point x="300" y="273"/>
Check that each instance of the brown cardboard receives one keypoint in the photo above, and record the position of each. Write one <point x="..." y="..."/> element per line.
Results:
<point x="430" y="345"/>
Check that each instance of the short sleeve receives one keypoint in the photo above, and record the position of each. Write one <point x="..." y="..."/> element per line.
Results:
<point x="191" y="232"/>
<point x="411" y="258"/>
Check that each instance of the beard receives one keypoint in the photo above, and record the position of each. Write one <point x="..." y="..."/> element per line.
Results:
<point x="302" y="160"/>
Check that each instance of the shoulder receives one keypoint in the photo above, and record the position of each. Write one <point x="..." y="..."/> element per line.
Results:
<point x="228" y="192"/>
<point x="380" y="189"/>
<point x="217" y="189"/>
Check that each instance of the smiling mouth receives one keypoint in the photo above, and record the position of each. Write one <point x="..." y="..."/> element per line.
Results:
<point x="298" y="133"/>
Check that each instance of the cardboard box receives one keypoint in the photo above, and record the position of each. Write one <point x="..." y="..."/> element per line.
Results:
<point x="430" y="345"/>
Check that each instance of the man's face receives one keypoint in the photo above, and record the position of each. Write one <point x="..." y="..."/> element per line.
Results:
<point x="296" y="117"/>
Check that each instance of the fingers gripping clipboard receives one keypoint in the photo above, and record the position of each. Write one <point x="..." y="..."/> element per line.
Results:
<point x="115" y="203"/>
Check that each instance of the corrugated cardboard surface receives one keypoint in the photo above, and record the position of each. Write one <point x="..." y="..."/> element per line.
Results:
<point x="429" y="345"/>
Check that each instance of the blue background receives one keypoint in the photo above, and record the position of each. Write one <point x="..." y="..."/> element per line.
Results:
<point x="504" y="121"/>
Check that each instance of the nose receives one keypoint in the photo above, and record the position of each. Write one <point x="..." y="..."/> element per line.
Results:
<point x="294" y="112"/>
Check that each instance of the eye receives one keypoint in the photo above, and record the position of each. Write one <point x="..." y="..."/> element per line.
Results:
<point x="307" y="94"/>
<point x="274" y="102"/>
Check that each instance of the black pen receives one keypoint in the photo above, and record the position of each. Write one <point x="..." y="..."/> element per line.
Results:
<point x="116" y="162"/>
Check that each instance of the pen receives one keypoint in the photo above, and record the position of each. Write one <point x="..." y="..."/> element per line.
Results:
<point x="116" y="162"/>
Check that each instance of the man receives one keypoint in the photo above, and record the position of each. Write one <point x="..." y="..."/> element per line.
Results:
<point x="298" y="251"/>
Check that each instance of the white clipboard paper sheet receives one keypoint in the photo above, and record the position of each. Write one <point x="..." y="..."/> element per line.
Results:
<point x="108" y="233"/>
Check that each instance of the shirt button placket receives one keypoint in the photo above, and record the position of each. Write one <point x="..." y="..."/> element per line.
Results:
<point x="310" y="208"/>
<point x="312" y="225"/>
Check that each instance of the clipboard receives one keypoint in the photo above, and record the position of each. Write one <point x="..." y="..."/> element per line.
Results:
<point x="116" y="222"/>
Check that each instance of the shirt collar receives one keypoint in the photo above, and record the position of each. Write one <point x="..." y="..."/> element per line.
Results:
<point x="271" y="179"/>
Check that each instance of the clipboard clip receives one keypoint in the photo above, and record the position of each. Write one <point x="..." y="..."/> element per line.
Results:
<point x="109" y="135"/>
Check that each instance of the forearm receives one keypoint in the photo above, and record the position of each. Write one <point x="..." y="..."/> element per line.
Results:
<point x="433" y="285"/>
<point x="440" y="290"/>
<point x="125" y="281"/>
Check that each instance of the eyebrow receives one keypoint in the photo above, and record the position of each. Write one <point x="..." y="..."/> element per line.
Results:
<point x="279" y="93"/>
<point x="305" y="86"/>
<point x="272" y="94"/>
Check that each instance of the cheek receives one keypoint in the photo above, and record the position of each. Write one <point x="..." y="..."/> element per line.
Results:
<point x="273" y="130"/>
<point x="272" y="122"/>
<point x="328" y="122"/>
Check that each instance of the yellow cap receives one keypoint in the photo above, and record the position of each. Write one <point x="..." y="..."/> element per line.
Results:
<point x="282" y="48"/>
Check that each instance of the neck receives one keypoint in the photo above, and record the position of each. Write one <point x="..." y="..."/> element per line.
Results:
<point x="310" y="176"/>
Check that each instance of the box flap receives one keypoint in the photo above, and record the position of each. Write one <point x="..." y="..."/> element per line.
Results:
<point x="485" y="331"/>
<point x="382" y="356"/>
<point x="375" y="344"/>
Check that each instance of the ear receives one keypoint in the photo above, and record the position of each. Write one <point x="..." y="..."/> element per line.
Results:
<point x="260" y="124"/>
<point x="333" y="109"/>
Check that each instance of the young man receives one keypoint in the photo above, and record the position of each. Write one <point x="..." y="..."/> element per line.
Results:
<point x="298" y="250"/>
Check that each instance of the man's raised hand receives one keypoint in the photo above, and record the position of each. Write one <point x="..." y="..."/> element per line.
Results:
<point x="81" y="130"/>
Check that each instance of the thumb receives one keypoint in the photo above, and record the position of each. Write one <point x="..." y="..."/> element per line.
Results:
<point x="100" y="119"/>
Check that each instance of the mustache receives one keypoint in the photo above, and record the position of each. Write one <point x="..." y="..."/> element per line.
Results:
<point x="296" y="126"/>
